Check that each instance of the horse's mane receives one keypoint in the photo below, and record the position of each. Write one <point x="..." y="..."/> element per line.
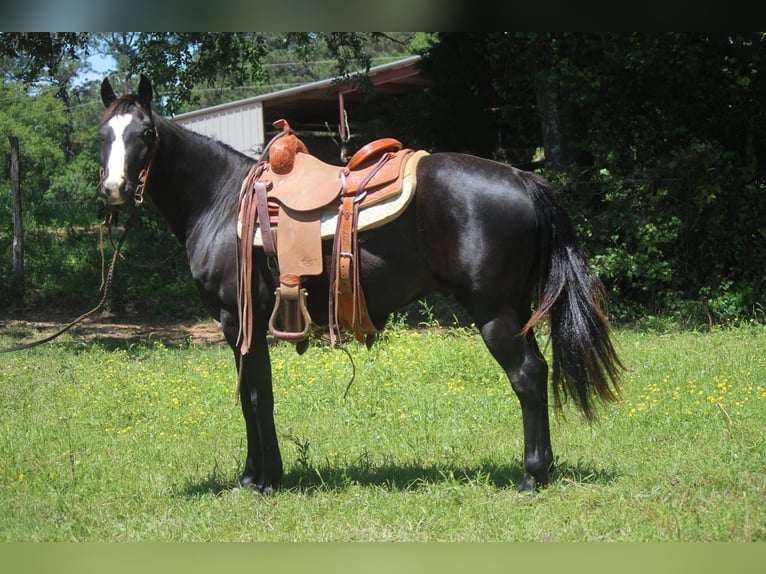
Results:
<point x="211" y="152"/>
<point x="209" y="141"/>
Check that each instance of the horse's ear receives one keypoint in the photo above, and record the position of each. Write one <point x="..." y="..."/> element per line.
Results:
<point x="107" y="93"/>
<point x="145" y="91"/>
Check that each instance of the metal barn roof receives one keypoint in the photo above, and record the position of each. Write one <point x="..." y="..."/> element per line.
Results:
<point x="308" y="107"/>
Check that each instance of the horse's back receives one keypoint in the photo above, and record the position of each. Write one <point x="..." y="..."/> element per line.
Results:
<point x="476" y="193"/>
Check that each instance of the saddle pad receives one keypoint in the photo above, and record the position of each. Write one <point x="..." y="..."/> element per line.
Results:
<point x="369" y="217"/>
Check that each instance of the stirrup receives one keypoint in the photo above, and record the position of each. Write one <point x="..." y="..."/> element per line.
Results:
<point x="291" y="317"/>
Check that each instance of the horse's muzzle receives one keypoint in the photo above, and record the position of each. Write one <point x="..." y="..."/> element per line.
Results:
<point x="114" y="192"/>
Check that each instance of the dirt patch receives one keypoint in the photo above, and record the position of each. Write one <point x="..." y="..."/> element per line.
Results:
<point x="32" y="325"/>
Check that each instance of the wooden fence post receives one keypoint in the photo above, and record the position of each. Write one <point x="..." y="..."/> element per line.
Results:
<point x="18" y="226"/>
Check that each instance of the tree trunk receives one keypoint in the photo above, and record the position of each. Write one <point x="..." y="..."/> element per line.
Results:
<point x="18" y="226"/>
<point x="555" y="127"/>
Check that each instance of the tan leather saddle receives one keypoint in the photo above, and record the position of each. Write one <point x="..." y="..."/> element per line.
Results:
<point x="284" y="195"/>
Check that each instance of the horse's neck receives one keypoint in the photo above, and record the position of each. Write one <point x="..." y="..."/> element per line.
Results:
<point x="183" y="181"/>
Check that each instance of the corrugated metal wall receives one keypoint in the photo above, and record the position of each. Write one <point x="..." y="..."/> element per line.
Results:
<point x="240" y="127"/>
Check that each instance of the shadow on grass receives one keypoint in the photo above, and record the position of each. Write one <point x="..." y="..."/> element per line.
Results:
<point x="399" y="477"/>
<point x="405" y="477"/>
<point x="109" y="332"/>
<point x="83" y="339"/>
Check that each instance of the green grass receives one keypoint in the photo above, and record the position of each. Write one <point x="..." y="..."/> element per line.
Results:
<point x="145" y="442"/>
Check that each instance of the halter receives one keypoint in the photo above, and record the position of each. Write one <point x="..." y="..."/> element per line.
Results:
<point x="138" y="196"/>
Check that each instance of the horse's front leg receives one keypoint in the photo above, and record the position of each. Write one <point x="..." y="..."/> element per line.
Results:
<point x="263" y="466"/>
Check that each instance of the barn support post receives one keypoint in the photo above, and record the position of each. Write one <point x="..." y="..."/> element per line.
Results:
<point x="18" y="226"/>
<point x="343" y="128"/>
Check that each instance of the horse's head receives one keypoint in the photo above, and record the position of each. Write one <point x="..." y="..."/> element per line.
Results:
<point x="128" y="142"/>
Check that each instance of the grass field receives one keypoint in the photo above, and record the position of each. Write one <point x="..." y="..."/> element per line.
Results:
<point x="113" y="442"/>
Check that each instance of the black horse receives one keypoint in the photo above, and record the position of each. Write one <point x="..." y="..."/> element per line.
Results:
<point x="493" y="236"/>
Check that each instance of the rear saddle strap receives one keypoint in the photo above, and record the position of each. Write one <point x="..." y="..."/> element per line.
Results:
<point x="347" y="304"/>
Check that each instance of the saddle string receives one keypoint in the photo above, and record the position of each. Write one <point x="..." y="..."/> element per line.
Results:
<point x="353" y="371"/>
<point x="345" y="276"/>
<point x="340" y="347"/>
<point x="245" y="261"/>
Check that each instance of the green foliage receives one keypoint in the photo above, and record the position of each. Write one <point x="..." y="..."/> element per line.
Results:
<point x="190" y="68"/>
<point x="179" y="61"/>
<point x="39" y="121"/>
<point x="71" y="196"/>
<point x="655" y="140"/>
<point x="668" y="190"/>
<point x="36" y="54"/>
<point x="155" y="276"/>
<point x="61" y="216"/>
<point x="292" y="59"/>
<point x="660" y="246"/>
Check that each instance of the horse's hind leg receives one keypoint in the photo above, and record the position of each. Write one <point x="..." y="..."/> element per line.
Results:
<point x="522" y="361"/>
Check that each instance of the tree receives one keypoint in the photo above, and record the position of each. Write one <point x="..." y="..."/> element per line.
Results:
<point x="182" y="63"/>
<point x="35" y="55"/>
<point x="656" y="139"/>
<point x="42" y="58"/>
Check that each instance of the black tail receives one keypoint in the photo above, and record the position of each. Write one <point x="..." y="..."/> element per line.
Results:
<point x="584" y="360"/>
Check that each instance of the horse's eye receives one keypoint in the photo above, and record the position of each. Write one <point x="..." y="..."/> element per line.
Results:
<point x="149" y="133"/>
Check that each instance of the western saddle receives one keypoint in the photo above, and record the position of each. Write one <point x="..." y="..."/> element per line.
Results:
<point x="283" y="202"/>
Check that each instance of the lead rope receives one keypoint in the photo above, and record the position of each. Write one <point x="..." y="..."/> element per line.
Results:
<point x="106" y="284"/>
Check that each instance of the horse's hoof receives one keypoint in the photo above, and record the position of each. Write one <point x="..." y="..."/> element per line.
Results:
<point x="527" y="486"/>
<point x="247" y="482"/>
<point x="532" y="485"/>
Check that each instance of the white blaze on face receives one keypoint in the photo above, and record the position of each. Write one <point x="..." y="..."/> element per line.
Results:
<point x="115" y="165"/>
